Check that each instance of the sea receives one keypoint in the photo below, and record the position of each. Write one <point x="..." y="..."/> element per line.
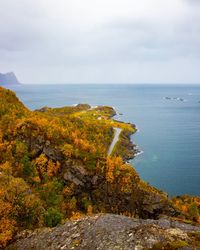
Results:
<point x="167" y="118"/>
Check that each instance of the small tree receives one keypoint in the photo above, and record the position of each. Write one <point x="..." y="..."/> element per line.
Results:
<point x="52" y="217"/>
<point x="194" y="212"/>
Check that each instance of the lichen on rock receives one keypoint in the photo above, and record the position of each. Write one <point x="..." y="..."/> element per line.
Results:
<point x="108" y="231"/>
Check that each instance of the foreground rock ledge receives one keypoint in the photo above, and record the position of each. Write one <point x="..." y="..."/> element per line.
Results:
<point x="108" y="232"/>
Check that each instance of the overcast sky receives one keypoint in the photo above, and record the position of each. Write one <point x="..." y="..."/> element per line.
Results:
<point x="101" y="41"/>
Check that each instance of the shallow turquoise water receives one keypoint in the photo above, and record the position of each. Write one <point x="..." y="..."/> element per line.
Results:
<point x="169" y="130"/>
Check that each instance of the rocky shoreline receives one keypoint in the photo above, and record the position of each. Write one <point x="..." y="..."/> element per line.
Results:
<point x="132" y="149"/>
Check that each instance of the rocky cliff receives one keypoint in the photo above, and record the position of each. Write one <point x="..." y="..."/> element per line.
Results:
<point x="8" y="79"/>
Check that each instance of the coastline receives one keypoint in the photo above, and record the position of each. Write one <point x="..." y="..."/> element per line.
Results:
<point x="65" y="151"/>
<point x="132" y="148"/>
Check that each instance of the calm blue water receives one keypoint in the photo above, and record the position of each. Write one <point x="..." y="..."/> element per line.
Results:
<point x="169" y="129"/>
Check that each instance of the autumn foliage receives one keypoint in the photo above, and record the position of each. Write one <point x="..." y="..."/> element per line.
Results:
<point x="189" y="207"/>
<point x="39" y="148"/>
<point x="35" y="147"/>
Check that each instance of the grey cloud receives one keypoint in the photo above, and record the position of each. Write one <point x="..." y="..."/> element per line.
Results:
<point x="193" y="2"/>
<point x="40" y="47"/>
<point x="21" y="24"/>
<point x="141" y="41"/>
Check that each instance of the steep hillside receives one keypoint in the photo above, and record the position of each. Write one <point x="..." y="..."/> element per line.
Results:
<point x="54" y="165"/>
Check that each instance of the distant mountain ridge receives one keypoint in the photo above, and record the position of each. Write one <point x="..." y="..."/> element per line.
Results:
<point x="8" y="79"/>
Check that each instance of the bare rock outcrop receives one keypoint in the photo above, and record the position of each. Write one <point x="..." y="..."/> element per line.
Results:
<point x="108" y="231"/>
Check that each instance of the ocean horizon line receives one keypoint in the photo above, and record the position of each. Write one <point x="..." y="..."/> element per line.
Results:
<point x="164" y="84"/>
